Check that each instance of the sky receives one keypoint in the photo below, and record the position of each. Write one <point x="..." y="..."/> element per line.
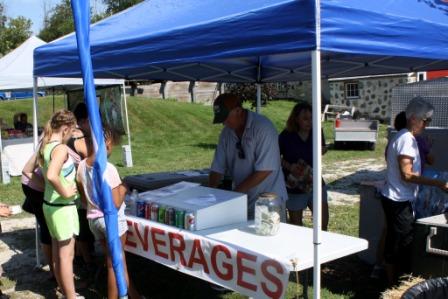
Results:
<point x="34" y="10"/>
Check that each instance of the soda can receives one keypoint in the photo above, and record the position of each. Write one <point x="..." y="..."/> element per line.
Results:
<point x="190" y="221"/>
<point x="148" y="210"/>
<point x="180" y="219"/>
<point x="140" y="208"/>
<point x="161" y="214"/>
<point x="169" y="216"/>
<point x="154" y="212"/>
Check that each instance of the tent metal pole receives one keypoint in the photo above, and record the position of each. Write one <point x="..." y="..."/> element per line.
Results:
<point x="35" y="142"/>
<point x="127" y="119"/>
<point x="317" y="154"/>
<point x="258" y="106"/>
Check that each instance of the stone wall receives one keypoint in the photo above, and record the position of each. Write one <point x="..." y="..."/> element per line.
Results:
<point x="204" y="92"/>
<point x="375" y="94"/>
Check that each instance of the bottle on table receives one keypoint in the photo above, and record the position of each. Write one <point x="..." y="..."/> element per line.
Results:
<point x="131" y="203"/>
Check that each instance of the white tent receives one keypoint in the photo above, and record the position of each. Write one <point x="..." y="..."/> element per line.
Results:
<point x="16" y="70"/>
<point x="16" y="73"/>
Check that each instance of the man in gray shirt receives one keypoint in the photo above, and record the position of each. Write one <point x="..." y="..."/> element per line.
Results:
<point x="248" y="151"/>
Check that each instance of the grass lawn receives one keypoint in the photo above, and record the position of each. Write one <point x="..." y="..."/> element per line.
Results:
<point x="167" y="135"/>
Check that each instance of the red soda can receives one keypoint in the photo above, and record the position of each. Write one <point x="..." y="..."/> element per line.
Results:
<point x="148" y="210"/>
<point x="154" y="212"/>
<point x="190" y="221"/>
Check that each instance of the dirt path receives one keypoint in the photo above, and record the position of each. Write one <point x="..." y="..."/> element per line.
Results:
<point x="343" y="179"/>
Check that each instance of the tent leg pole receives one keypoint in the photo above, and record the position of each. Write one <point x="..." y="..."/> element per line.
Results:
<point x="127" y="119"/>
<point x="317" y="169"/>
<point x="35" y="141"/>
<point x="258" y="107"/>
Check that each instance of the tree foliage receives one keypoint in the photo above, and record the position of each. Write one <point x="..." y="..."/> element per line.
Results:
<point x="14" y="34"/>
<point x="114" y="6"/>
<point x="58" y="22"/>
<point x="248" y="91"/>
<point x="2" y="16"/>
<point x="13" y="31"/>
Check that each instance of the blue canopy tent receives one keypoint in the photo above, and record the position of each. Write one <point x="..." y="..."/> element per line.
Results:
<point x="261" y="41"/>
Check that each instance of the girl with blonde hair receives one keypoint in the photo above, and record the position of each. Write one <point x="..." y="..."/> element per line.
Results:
<point x="59" y="197"/>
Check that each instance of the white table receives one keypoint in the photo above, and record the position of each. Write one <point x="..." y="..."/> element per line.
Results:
<point x="233" y="256"/>
<point x="15" y="152"/>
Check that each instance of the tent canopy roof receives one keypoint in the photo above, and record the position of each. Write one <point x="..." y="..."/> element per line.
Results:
<point x="257" y="40"/>
<point x="16" y="70"/>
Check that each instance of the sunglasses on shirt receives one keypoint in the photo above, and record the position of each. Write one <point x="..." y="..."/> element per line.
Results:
<point x="240" y="149"/>
<point x="427" y="120"/>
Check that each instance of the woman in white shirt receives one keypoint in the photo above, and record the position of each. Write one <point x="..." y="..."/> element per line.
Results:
<point x="402" y="179"/>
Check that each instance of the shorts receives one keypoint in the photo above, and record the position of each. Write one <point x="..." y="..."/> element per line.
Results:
<point x="400" y="229"/>
<point x="62" y="222"/>
<point x="98" y="227"/>
<point x="85" y="234"/>
<point x="300" y="201"/>
<point x="37" y="200"/>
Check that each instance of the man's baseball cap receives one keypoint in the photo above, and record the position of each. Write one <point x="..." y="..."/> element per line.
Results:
<point x="223" y="105"/>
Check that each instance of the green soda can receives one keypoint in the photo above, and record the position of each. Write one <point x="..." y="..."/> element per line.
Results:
<point x="161" y="215"/>
<point x="180" y="217"/>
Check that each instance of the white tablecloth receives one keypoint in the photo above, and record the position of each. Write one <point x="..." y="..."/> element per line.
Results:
<point x="16" y="157"/>
<point x="233" y="256"/>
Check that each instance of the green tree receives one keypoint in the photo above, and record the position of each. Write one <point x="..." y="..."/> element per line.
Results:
<point x="16" y="31"/>
<point x="114" y="6"/>
<point x="59" y="21"/>
<point x="2" y="16"/>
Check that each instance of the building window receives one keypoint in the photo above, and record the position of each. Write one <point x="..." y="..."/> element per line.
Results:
<point x="421" y="76"/>
<point x="352" y="90"/>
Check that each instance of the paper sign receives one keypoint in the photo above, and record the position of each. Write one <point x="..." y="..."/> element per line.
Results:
<point x="230" y="266"/>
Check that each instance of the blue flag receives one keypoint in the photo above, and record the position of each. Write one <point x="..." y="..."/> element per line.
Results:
<point x="102" y="193"/>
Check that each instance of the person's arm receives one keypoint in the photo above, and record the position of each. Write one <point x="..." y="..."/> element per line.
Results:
<point x="407" y="175"/>
<point x="58" y="157"/>
<point x="118" y="196"/>
<point x="253" y="180"/>
<point x="81" y="147"/>
<point x="30" y="166"/>
<point x="214" y="179"/>
<point x="81" y="192"/>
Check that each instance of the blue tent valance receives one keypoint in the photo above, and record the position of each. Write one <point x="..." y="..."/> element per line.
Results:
<point x="257" y="40"/>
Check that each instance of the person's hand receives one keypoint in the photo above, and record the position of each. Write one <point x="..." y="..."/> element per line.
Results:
<point x="4" y="211"/>
<point x="70" y="191"/>
<point x="444" y="187"/>
<point x="297" y="170"/>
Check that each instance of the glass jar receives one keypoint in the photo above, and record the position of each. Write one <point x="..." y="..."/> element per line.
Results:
<point x="267" y="214"/>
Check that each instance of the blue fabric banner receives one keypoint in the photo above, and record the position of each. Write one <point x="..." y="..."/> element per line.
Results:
<point x="102" y="192"/>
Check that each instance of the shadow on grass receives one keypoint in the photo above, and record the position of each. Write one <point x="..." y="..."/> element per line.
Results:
<point x="352" y="145"/>
<point x="156" y="281"/>
<point x="348" y="277"/>
<point x="206" y="146"/>
<point x="349" y="184"/>
<point x="351" y="276"/>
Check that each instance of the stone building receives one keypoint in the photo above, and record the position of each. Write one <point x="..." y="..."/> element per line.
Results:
<point x="371" y="95"/>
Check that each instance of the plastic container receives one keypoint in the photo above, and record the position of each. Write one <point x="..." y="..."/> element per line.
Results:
<point x="131" y="203"/>
<point x="267" y="214"/>
<point x="337" y="122"/>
